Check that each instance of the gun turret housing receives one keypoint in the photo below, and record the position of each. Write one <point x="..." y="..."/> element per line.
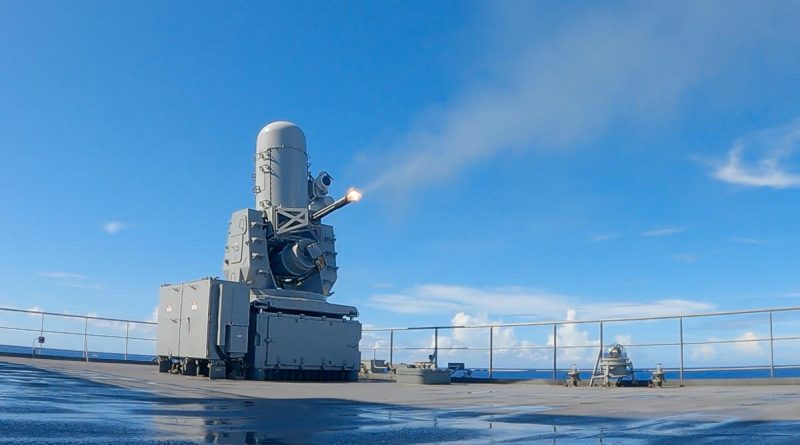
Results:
<point x="290" y="250"/>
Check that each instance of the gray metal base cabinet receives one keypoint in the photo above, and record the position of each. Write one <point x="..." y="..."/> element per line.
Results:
<point x="322" y="347"/>
<point x="203" y="319"/>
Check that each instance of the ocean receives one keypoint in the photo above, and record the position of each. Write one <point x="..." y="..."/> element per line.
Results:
<point x="478" y="373"/>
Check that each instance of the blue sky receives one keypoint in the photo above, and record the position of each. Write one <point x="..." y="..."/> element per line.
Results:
<point x="519" y="159"/>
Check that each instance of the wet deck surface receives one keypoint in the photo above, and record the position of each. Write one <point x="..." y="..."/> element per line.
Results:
<point x="65" y="402"/>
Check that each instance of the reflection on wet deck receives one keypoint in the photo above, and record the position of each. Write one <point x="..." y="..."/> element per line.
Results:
<point x="39" y="406"/>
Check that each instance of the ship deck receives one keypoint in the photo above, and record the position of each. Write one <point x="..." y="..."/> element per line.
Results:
<point x="53" y="401"/>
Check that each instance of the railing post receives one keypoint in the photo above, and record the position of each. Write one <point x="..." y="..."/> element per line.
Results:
<point x="85" y="338"/>
<point x="127" y="330"/>
<point x="41" y="334"/>
<point x="491" y="351"/>
<point x="771" y="348"/>
<point x="599" y="356"/>
<point x="555" y="352"/>
<point x="436" y="348"/>
<point x="601" y="338"/>
<point x="680" y="326"/>
<point x="391" y="347"/>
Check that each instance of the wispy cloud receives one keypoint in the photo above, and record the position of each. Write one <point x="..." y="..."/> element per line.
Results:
<point x="663" y="231"/>
<point x="603" y="237"/>
<point x="442" y="298"/>
<point x="121" y="326"/>
<point x="766" y="172"/>
<point x="750" y="349"/>
<point x="773" y="149"/>
<point x="86" y="286"/>
<point x="687" y="257"/>
<point x="62" y="275"/>
<point x="71" y="279"/>
<point x="748" y="240"/>
<point x="516" y="301"/>
<point x="114" y="227"/>
<point x="549" y="91"/>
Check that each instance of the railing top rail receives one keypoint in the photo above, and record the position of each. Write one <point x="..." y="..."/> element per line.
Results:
<point x="495" y="325"/>
<point x="599" y="320"/>
<point x="89" y="317"/>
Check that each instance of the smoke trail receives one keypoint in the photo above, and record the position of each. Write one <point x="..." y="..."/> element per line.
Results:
<point x="634" y="63"/>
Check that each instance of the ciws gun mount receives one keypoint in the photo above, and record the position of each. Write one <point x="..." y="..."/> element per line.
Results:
<point x="268" y="317"/>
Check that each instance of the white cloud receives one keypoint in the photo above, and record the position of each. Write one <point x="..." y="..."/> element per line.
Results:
<point x="71" y="279"/>
<point x="657" y="308"/>
<point x="571" y="336"/>
<point x="85" y="286"/>
<point x="750" y="346"/>
<point x="552" y="90"/>
<point x="750" y="349"/>
<point x="517" y="347"/>
<point x="623" y="339"/>
<point x="114" y="227"/>
<point x="469" y="344"/>
<point x="517" y="301"/>
<point x="662" y="231"/>
<point x="62" y="275"/>
<point x="35" y="308"/>
<point x="766" y="173"/>
<point x="438" y="298"/>
<point x="703" y="353"/>
<point x="372" y="340"/>
<point x="774" y="149"/>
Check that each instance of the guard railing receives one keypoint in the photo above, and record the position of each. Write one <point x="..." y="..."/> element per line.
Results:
<point x="385" y="343"/>
<point x="32" y="332"/>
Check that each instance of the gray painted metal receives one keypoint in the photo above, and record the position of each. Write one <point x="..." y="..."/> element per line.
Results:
<point x="169" y="316"/>
<point x="422" y="376"/>
<point x="198" y="317"/>
<point x="281" y="267"/>
<point x="275" y="343"/>
<point x="246" y="257"/>
<point x="332" y="207"/>
<point x="289" y="302"/>
<point x="195" y="315"/>
<point x="281" y="167"/>
<point x="491" y="352"/>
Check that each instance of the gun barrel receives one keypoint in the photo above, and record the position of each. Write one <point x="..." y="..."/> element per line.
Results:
<point x="352" y="195"/>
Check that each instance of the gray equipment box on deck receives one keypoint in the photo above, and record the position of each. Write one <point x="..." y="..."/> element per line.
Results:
<point x="203" y="319"/>
<point x="422" y="376"/>
<point x="332" y="344"/>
